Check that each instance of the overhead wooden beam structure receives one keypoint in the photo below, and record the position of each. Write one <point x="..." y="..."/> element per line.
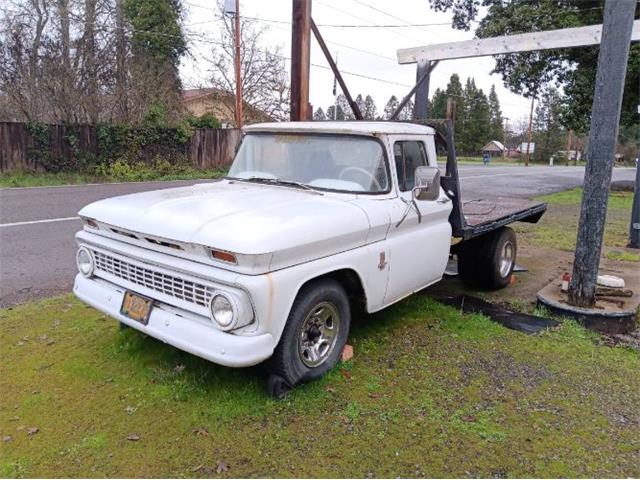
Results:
<point x="523" y="42"/>
<point x="421" y="89"/>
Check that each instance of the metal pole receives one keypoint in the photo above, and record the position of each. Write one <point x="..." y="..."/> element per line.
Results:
<point x="526" y="162"/>
<point x="605" y="117"/>
<point x="300" y="59"/>
<point x="634" y="225"/>
<point x="239" y="116"/>
<point x="354" y="106"/>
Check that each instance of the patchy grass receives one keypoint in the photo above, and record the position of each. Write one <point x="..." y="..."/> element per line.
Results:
<point x="559" y="225"/>
<point x="30" y="179"/>
<point x="430" y="392"/>
<point x="623" y="255"/>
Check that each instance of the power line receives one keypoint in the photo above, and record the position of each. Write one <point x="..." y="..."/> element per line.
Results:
<point x="367" y="22"/>
<point x="359" y="2"/>
<point x="197" y="37"/>
<point x="332" y="25"/>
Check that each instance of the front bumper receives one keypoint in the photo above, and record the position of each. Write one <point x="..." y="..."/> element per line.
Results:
<point x="181" y="331"/>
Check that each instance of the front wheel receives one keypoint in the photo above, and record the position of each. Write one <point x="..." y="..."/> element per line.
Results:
<point x="315" y="333"/>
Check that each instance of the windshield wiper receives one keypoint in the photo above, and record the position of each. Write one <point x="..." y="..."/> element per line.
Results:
<point x="277" y="181"/>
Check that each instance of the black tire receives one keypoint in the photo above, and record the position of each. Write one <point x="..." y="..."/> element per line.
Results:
<point x="480" y="260"/>
<point x="287" y="360"/>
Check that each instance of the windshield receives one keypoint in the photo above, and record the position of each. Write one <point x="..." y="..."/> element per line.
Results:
<point x="332" y="162"/>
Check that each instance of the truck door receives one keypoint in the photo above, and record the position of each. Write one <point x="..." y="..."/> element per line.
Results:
<point x="418" y="244"/>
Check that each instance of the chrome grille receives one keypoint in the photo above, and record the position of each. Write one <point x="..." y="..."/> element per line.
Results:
<point x="196" y="293"/>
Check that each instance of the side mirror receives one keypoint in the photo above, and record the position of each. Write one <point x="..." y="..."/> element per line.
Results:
<point x="426" y="183"/>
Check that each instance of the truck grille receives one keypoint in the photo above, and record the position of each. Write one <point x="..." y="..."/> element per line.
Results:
<point x="189" y="291"/>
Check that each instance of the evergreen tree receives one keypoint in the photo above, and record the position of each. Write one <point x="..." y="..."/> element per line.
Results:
<point x="406" y="114"/>
<point x="454" y="90"/>
<point x="361" y="104"/>
<point x="438" y="104"/>
<point x="334" y="113"/>
<point x="370" y="111"/>
<point x="157" y="44"/>
<point x="390" y="107"/>
<point x="344" y="109"/>
<point x="497" y="128"/>
<point x="319" y="114"/>
<point x="548" y="135"/>
<point x="476" y="119"/>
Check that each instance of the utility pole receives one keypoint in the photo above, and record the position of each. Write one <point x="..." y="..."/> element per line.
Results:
<point x="605" y="117"/>
<point x="300" y="59"/>
<point x="239" y="115"/>
<point x="505" y="131"/>
<point x="526" y="162"/>
<point x="451" y="109"/>
<point x="569" y="135"/>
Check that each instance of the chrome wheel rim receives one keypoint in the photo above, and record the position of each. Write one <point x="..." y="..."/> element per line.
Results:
<point x="506" y="259"/>
<point x="319" y="334"/>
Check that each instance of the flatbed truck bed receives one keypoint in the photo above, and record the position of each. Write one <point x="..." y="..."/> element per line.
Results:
<point x="474" y="218"/>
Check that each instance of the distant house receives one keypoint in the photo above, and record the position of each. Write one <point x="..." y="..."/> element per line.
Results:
<point x="493" y="148"/>
<point x="221" y="104"/>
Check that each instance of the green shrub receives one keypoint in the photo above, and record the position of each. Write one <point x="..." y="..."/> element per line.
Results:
<point x="206" y="120"/>
<point x="155" y="146"/>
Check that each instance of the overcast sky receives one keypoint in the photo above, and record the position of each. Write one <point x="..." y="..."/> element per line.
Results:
<point x="365" y="51"/>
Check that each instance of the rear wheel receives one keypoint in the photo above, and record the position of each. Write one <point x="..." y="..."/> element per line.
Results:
<point x="315" y="333"/>
<point x="487" y="262"/>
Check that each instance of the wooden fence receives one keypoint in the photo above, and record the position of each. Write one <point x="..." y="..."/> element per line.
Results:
<point x="207" y="148"/>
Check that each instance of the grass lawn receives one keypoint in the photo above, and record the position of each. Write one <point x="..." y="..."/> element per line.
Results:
<point x="29" y="179"/>
<point x="430" y="392"/>
<point x="559" y="225"/>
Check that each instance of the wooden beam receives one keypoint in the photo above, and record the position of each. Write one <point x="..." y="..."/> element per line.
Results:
<point x="300" y="59"/>
<point x="354" y="106"/>
<point x="420" y="110"/>
<point x="523" y="42"/>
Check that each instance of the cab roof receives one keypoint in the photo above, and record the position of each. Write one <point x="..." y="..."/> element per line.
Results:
<point x="357" y="127"/>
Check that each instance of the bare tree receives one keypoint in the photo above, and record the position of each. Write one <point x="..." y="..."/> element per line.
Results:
<point x="265" y="82"/>
<point x="74" y="61"/>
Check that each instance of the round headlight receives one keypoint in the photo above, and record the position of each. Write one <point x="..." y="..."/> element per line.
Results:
<point x="222" y="311"/>
<point x="84" y="260"/>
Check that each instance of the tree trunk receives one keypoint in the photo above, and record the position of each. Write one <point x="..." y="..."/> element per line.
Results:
<point x="121" y="65"/>
<point x="605" y="117"/>
<point x="66" y="81"/>
<point x="93" y="102"/>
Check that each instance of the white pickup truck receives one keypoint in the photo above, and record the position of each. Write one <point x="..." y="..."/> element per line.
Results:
<point x="264" y="264"/>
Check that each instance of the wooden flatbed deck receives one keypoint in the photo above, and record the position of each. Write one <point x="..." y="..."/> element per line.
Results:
<point x="484" y="215"/>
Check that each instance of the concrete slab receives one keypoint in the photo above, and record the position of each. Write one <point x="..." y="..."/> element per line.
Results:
<point x="611" y="314"/>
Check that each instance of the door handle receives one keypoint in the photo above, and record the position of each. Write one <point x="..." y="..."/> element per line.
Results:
<point x="443" y="200"/>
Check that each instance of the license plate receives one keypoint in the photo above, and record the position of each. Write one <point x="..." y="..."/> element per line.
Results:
<point x="136" y="307"/>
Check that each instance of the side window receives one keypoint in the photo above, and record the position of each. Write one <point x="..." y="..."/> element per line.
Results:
<point x="408" y="155"/>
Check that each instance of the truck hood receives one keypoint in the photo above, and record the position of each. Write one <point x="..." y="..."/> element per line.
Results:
<point x="282" y="225"/>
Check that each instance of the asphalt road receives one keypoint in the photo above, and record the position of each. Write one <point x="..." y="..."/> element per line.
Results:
<point x="37" y="225"/>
